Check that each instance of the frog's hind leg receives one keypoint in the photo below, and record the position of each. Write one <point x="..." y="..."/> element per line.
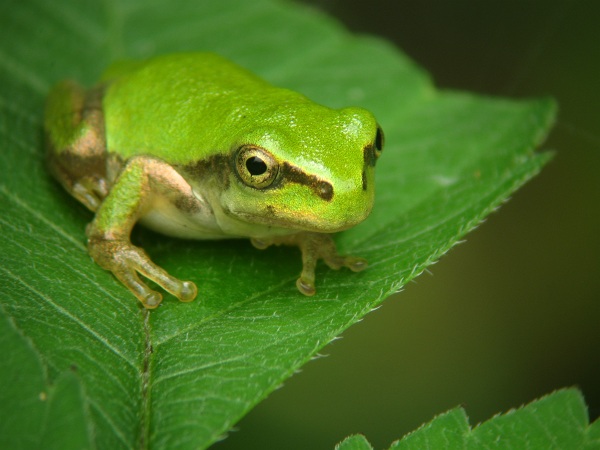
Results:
<point x="76" y="143"/>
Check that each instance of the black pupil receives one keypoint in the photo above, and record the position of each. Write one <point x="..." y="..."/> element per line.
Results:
<point x="256" y="166"/>
<point x="379" y="139"/>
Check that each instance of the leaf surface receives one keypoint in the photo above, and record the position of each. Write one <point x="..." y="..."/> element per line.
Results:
<point x="356" y="442"/>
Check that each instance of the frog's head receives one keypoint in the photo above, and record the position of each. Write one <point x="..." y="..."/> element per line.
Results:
<point x="305" y="167"/>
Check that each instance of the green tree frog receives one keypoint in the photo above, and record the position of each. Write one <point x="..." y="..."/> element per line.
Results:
<point x="192" y="145"/>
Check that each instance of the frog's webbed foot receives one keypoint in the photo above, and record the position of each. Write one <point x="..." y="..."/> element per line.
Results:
<point x="125" y="261"/>
<point x="314" y="246"/>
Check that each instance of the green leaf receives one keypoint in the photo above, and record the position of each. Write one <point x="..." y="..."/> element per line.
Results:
<point x="67" y="424"/>
<point x="22" y="370"/>
<point x="36" y="413"/>
<point x="356" y="442"/>
<point x="557" y="421"/>
<point x="447" y="431"/>
<point x="181" y="376"/>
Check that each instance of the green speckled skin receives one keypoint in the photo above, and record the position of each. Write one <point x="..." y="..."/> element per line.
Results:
<point x="195" y="146"/>
<point x="182" y="117"/>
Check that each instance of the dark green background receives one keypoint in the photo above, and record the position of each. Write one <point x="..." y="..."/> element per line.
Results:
<point x="514" y="312"/>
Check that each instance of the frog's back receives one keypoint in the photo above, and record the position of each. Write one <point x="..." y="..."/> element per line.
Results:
<point x="177" y="103"/>
<point x="214" y="70"/>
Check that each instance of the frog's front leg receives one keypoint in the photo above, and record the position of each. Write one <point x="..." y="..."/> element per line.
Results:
<point x="141" y="181"/>
<point x="314" y="246"/>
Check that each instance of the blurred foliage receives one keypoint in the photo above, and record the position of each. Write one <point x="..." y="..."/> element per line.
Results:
<point x="558" y="421"/>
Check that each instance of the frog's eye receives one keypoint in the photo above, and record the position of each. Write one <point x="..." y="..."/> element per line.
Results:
<point x="379" y="141"/>
<point x="256" y="167"/>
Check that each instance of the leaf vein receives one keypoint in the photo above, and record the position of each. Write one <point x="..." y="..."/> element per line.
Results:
<point x="21" y="73"/>
<point x="221" y="313"/>
<point x="73" y="318"/>
<point x="16" y="200"/>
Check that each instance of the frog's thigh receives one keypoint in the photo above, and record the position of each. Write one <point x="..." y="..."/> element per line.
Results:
<point x="76" y="142"/>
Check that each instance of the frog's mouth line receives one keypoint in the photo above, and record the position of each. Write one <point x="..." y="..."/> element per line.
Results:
<point x="269" y="217"/>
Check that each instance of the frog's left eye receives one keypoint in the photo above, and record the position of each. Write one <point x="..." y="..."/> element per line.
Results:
<point x="256" y="167"/>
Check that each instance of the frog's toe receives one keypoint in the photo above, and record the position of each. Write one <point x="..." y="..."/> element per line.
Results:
<point x="86" y="196"/>
<point x="90" y="191"/>
<point x="307" y="287"/>
<point x="149" y="298"/>
<point x="185" y="291"/>
<point x="152" y="300"/>
<point x="260" y="244"/>
<point x="355" y="264"/>
<point x="188" y="291"/>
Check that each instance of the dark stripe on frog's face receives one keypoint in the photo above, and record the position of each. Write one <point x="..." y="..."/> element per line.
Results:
<point x="220" y="166"/>
<point x="370" y="154"/>
<point x="369" y="161"/>
<point x="216" y="165"/>
<point x="293" y="174"/>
